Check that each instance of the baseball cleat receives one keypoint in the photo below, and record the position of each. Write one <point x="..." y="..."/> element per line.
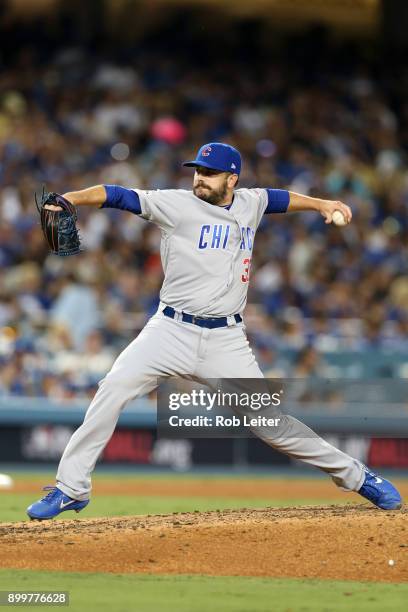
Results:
<point x="53" y="504"/>
<point x="380" y="492"/>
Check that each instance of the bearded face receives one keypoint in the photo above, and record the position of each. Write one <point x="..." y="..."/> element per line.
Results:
<point x="211" y="185"/>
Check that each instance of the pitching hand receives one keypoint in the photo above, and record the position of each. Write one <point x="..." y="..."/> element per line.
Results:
<point x="327" y="208"/>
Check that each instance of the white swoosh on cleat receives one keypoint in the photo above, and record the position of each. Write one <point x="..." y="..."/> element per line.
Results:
<point x="62" y="505"/>
<point x="378" y="480"/>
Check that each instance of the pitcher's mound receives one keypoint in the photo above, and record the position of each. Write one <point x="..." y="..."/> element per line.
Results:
<point x="340" y="542"/>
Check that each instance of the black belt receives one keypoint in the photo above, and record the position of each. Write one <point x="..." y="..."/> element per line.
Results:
<point x="211" y="323"/>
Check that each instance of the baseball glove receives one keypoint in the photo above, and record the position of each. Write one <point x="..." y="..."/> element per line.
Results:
<point x="59" y="226"/>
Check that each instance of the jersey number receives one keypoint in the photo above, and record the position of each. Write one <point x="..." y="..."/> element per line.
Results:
<point x="245" y="275"/>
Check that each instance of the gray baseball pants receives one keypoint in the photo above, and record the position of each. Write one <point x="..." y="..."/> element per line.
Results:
<point x="168" y="347"/>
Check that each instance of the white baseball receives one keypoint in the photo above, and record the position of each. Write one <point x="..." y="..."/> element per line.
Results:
<point x="6" y="482"/>
<point x="338" y="218"/>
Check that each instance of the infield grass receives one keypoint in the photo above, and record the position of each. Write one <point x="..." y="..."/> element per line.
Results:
<point x="147" y="593"/>
<point x="13" y="505"/>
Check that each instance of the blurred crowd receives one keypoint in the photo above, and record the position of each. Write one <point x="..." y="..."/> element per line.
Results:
<point x="78" y="120"/>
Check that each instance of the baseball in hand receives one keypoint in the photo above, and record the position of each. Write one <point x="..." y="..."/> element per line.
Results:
<point x="338" y="218"/>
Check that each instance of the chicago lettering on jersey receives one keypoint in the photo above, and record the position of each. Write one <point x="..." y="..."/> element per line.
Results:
<point x="216" y="237"/>
<point x="247" y="238"/>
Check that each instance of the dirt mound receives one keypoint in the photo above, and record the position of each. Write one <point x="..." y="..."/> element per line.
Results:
<point x="343" y="542"/>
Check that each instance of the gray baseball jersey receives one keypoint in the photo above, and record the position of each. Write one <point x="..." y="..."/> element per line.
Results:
<point x="205" y="249"/>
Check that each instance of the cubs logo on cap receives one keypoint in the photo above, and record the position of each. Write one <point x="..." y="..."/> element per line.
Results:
<point x="217" y="156"/>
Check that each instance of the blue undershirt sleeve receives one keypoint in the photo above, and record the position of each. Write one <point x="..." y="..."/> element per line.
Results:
<point x="122" y="198"/>
<point x="278" y="201"/>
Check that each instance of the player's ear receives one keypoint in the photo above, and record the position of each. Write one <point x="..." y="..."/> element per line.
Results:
<point x="233" y="180"/>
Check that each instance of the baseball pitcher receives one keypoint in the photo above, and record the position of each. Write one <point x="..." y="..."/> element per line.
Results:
<point x="198" y="331"/>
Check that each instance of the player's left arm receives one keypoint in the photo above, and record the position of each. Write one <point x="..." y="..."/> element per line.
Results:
<point x="299" y="203"/>
<point x="281" y="201"/>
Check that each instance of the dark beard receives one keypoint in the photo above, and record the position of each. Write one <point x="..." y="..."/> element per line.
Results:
<point x="213" y="197"/>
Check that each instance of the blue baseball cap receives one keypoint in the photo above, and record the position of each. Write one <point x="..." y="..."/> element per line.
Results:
<point x="217" y="156"/>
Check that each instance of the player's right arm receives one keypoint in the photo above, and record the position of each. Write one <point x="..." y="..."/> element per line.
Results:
<point x="103" y="195"/>
<point x="159" y="206"/>
<point x="92" y="196"/>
